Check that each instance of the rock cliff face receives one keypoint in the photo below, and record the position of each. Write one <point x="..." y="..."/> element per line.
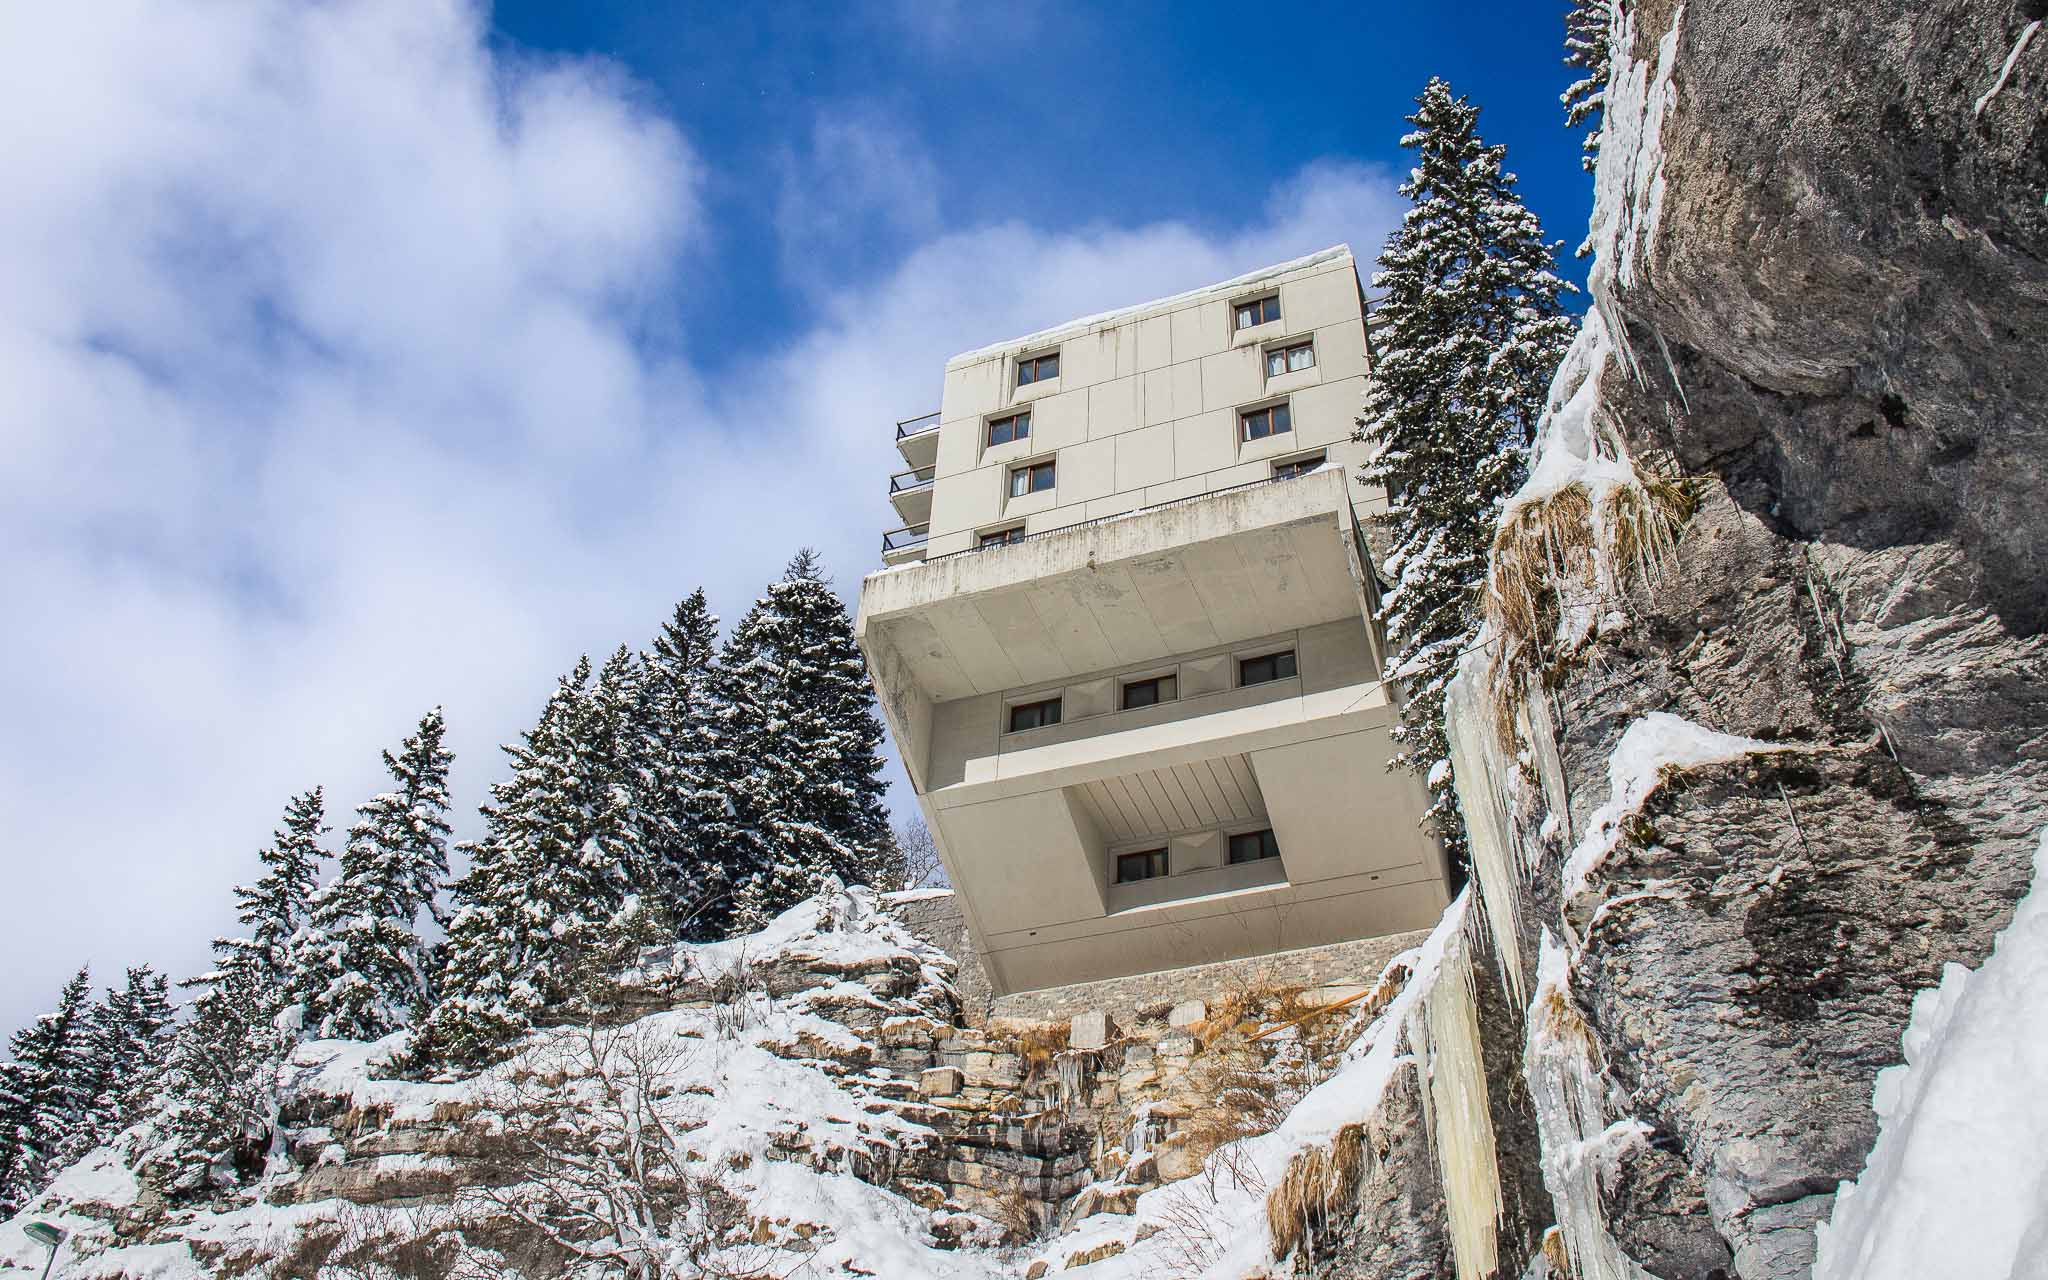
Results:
<point x="1822" y="299"/>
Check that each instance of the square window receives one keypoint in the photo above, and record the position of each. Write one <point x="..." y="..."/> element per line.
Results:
<point x="1038" y="368"/>
<point x="1257" y="424"/>
<point x="1147" y="693"/>
<point x="1258" y="311"/>
<point x="1001" y="537"/>
<point x="1034" y="478"/>
<point x="1298" y="466"/>
<point x="1016" y="426"/>
<point x="1148" y="864"/>
<point x="1034" y="715"/>
<point x="1253" y="846"/>
<point x="1266" y="669"/>
<point x="1279" y="360"/>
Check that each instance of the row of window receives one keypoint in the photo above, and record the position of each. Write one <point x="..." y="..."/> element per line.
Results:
<point x="1150" y="864"/>
<point x="1040" y="476"/>
<point x="1302" y="355"/>
<point x="1150" y="691"/>
<point x="1252" y="424"/>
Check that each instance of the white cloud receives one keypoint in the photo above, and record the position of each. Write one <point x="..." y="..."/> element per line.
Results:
<point x="321" y="403"/>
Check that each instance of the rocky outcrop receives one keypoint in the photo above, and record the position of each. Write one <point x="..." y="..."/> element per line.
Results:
<point x="1822" y="297"/>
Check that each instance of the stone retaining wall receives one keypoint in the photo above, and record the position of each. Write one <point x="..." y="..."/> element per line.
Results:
<point x="936" y="918"/>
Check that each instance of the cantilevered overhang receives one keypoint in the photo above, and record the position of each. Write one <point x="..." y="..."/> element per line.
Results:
<point x="1213" y="570"/>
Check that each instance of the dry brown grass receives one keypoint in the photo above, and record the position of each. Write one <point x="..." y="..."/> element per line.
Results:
<point x="1318" y="1186"/>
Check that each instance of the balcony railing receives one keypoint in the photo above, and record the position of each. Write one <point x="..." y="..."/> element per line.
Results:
<point x="905" y="538"/>
<point x="905" y="481"/>
<point x="917" y="426"/>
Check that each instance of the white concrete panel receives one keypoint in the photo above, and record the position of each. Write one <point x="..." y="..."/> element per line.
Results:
<point x="1340" y="351"/>
<point x="1113" y="600"/>
<point x="1229" y="378"/>
<point x="1325" y="413"/>
<point x="1059" y="420"/>
<point x="1115" y="505"/>
<point x="964" y="740"/>
<point x="1089" y="358"/>
<point x="1087" y="471"/>
<point x="1322" y="298"/>
<point x="1338" y="811"/>
<point x="924" y="652"/>
<point x="972" y="390"/>
<point x="1143" y="457"/>
<point x="1024" y="860"/>
<point x="1072" y="624"/>
<point x="1205" y="675"/>
<point x="1024" y="640"/>
<point x="1113" y="407"/>
<point x="968" y="500"/>
<point x="973" y="646"/>
<point x="1089" y="698"/>
<point x="959" y="446"/>
<point x="1204" y="443"/>
<point x="1155" y="343"/>
<point x="1187" y="388"/>
<point x="1200" y="330"/>
<point x="1158" y="397"/>
<point x="1196" y="852"/>
<point x="1174" y="606"/>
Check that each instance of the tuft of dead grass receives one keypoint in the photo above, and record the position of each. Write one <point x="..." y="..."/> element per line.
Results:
<point x="1319" y="1185"/>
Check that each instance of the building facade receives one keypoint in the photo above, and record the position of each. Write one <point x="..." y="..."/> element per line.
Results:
<point x="1127" y="642"/>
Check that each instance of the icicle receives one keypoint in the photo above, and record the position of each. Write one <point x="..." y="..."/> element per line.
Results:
<point x="1457" y="1115"/>
<point x="1579" y="1147"/>
<point x="1480" y="773"/>
<point x="1672" y="369"/>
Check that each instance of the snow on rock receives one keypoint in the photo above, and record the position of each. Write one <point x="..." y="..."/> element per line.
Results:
<point x="1651" y="745"/>
<point x="1957" y="1184"/>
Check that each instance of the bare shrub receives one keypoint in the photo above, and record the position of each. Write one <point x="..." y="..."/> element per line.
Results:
<point x="1192" y="1216"/>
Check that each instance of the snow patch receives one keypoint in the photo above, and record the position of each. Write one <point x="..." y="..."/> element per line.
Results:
<point x="1956" y="1184"/>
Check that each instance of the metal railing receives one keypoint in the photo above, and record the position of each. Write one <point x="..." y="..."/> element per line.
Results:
<point x="918" y="426"/>
<point x="1089" y="524"/>
<point x="905" y="481"/>
<point x="904" y="539"/>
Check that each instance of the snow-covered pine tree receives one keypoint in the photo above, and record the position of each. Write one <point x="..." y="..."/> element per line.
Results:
<point x="799" y="748"/>
<point x="1472" y="331"/>
<point x="363" y="968"/>
<point x="277" y="906"/>
<point x="1588" y="36"/>
<point x="43" y="1097"/>
<point x="681" y="804"/>
<point x="555" y="877"/>
<point x="127" y="1038"/>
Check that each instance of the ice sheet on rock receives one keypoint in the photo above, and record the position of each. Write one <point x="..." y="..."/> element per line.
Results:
<point x="1957" y="1183"/>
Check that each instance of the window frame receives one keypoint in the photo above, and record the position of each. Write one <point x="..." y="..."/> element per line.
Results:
<point x="1271" y="413"/>
<point x="1036" y="366"/>
<point x="1288" y="468"/>
<point x="1043" y="720"/>
<point x="1267" y="844"/>
<point x="1029" y="472"/>
<point x="1013" y="421"/>
<point x="1284" y="352"/>
<point x="1002" y="537"/>
<point x="1238" y="324"/>
<point x="1274" y="657"/>
<point x="1153" y="857"/>
<point x="1165" y="687"/>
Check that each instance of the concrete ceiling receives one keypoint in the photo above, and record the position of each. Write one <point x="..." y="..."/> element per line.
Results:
<point x="1103" y="616"/>
<point x="1199" y="796"/>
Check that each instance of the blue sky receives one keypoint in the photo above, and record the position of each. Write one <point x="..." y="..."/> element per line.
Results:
<point x="1061" y="116"/>
<point x="370" y="355"/>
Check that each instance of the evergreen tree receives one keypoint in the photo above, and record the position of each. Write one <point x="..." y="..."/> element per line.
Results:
<point x="682" y="805"/>
<point x="1474" y="329"/>
<point x="277" y="906"/>
<point x="217" y="1104"/>
<point x="1588" y="36"/>
<point x="556" y="878"/>
<point x="799" y="749"/>
<point x="363" y="968"/>
<point x="43" y="1098"/>
<point x="127" y="1038"/>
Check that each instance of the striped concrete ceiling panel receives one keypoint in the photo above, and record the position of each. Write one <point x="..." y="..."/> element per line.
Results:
<point x="1163" y="802"/>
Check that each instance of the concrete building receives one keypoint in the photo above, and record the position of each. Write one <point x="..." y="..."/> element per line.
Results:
<point x="1127" y="643"/>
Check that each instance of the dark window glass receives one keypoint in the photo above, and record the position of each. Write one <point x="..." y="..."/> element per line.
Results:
<point x="1257" y="424"/>
<point x="1034" y="715"/>
<point x="1261" y="670"/>
<point x="1013" y="534"/>
<point x="1148" y="865"/>
<point x="1263" y="311"/>
<point x="1015" y="427"/>
<point x="1253" y="846"/>
<point x="1038" y="369"/>
<point x="1035" y="478"/>
<point x="1146" y="693"/>
<point x="1298" y="466"/>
